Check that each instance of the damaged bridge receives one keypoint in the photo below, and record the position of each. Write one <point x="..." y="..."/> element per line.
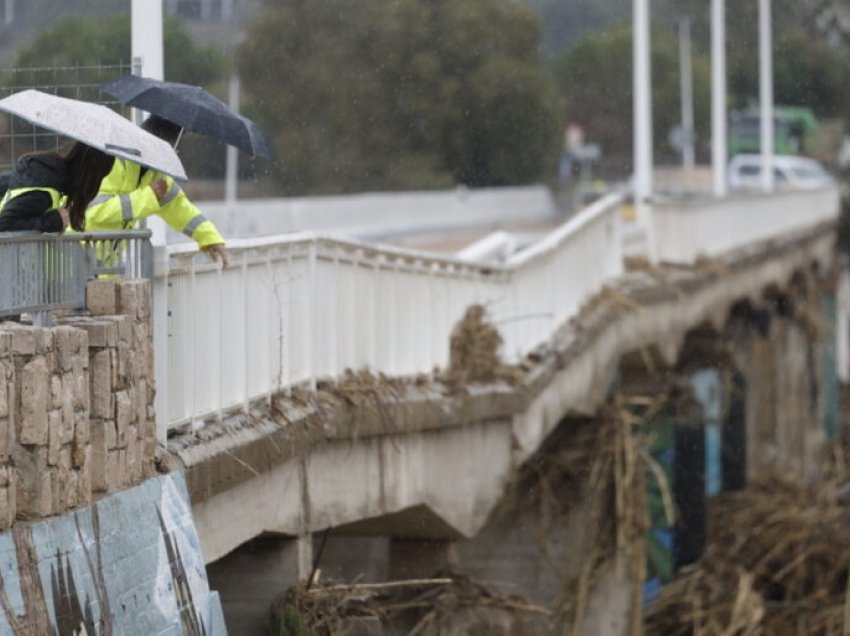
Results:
<point x="355" y="418"/>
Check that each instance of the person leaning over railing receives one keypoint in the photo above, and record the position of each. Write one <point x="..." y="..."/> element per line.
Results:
<point x="49" y="191"/>
<point x="130" y="193"/>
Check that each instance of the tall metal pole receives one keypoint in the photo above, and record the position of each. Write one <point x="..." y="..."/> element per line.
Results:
<point x="687" y="95"/>
<point x="718" y="97"/>
<point x="147" y="47"/>
<point x="232" y="165"/>
<point x="642" y="89"/>
<point x="146" y="36"/>
<point x="10" y="11"/>
<point x="226" y="10"/>
<point x="766" y="94"/>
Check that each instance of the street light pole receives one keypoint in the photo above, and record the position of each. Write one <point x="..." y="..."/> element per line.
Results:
<point x="687" y="96"/>
<point x="642" y="89"/>
<point x="718" y="97"/>
<point x="766" y="94"/>
<point x="146" y="45"/>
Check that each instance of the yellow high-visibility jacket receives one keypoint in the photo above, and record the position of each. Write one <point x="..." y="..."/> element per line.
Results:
<point x="125" y="198"/>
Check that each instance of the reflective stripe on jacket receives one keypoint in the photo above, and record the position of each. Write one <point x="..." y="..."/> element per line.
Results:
<point x="55" y="196"/>
<point x="125" y="198"/>
<point x="31" y="209"/>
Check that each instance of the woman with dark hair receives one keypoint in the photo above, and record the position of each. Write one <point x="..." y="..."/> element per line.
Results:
<point x="49" y="191"/>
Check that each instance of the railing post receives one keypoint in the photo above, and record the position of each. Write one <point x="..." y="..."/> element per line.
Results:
<point x="190" y="381"/>
<point x="335" y="319"/>
<point x="159" y="319"/>
<point x="270" y="371"/>
<point x="286" y="327"/>
<point x="220" y="343"/>
<point x="246" y="312"/>
<point x="310" y="306"/>
<point x="372" y="316"/>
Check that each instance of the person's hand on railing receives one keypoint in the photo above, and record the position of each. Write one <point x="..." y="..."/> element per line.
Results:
<point x="159" y="189"/>
<point x="218" y="252"/>
<point x="66" y="217"/>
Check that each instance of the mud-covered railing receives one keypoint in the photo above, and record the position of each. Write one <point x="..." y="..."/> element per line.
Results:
<point x="299" y="308"/>
<point x="44" y="272"/>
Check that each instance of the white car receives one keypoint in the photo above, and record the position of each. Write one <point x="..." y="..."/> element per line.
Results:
<point x="789" y="172"/>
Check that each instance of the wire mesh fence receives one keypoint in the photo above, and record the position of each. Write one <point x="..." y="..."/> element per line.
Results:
<point x="17" y="136"/>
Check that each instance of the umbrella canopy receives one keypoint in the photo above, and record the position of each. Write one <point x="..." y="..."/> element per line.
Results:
<point x="191" y="107"/>
<point x="96" y="126"/>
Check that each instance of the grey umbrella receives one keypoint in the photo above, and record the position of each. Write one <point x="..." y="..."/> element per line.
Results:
<point x="96" y="126"/>
<point x="192" y="108"/>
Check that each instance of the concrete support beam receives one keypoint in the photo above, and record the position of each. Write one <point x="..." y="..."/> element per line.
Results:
<point x="304" y="549"/>
<point x="688" y="480"/>
<point x="734" y="436"/>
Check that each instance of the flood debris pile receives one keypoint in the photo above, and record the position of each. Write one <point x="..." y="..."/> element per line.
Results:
<point x="776" y="564"/>
<point x="474" y="351"/>
<point x="424" y="607"/>
<point x="589" y="470"/>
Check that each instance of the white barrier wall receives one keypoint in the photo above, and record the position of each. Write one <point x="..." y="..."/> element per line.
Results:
<point x="383" y="214"/>
<point x="297" y="308"/>
<point x="687" y="229"/>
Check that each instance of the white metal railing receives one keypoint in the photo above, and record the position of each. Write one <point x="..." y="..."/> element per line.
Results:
<point x="684" y="229"/>
<point x="297" y="308"/>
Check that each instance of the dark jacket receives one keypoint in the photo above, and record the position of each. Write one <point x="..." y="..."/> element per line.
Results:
<point x="34" y="210"/>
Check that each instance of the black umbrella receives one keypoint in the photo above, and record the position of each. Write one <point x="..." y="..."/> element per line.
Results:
<point x="191" y="107"/>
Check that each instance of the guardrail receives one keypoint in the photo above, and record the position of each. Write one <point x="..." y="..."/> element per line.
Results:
<point x="295" y="309"/>
<point x="43" y="272"/>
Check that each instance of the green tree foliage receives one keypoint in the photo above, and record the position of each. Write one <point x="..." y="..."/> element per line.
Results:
<point x="811" y="66"/>
<point x="79" y="41"/>
<point x="807" y="72"/>
<point x="392" y="94"/>
<point x="67" y="59"/>
<point x="595" y="82"/>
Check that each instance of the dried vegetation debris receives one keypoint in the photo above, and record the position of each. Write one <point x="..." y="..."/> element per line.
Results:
<point x="451" y="603"/>
<point x="776" y="564"/>
<point x="474" y="355"/>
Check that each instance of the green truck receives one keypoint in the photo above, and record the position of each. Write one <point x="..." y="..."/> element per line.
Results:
<point x="793" y="130"/>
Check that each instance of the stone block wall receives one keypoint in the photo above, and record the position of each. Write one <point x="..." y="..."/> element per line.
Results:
<point x="76" y="404"/>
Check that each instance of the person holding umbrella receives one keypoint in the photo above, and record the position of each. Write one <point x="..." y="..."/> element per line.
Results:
<point x="130" y="193"/>
<point x="48" y="191"/>
<point x="127" y="194"/>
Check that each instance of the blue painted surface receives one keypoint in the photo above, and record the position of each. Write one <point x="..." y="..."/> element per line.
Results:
<point x="132" y="560"/>
<point x="713" y="468"/>
<point x="708" y="390"/>
<point x="651" y="590"/>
